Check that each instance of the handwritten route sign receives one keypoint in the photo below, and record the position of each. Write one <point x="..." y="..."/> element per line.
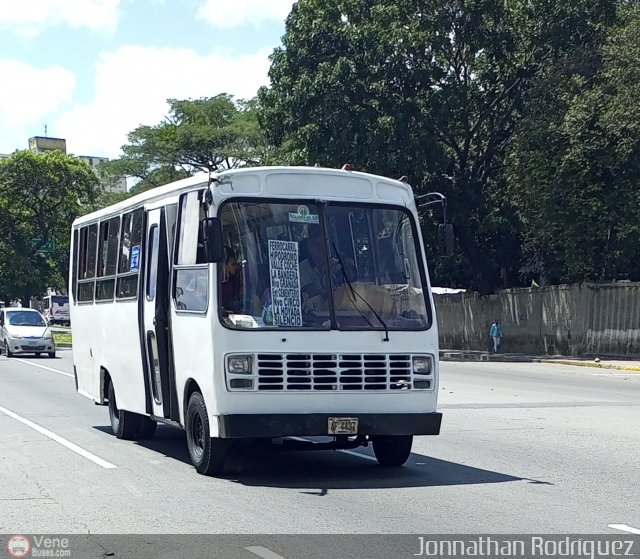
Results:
<point x="285" y="283"/>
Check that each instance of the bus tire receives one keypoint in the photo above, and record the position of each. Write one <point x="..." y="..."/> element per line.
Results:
<point x="146" y="428"/>
<point x="124" y="424"/>
<point x="392" y="450"/>
<point x="207" y="454"/>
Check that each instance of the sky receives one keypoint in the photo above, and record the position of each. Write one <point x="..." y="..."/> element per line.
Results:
<point x="93" y="70"/>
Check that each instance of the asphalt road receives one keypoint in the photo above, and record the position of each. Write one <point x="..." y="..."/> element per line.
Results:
<point x="524" y="448"/>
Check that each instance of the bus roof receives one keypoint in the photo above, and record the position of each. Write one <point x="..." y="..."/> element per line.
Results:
<point x="176" y="187"/>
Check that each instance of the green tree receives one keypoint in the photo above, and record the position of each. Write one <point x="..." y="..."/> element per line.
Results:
<point x="574" y="165"/>
<point x="40" y="196"/>
<point x="210" y="134"/>
<point x="431" y="90"/>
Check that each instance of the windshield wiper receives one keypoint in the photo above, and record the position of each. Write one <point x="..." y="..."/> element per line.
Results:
<point x="355" y="293"/>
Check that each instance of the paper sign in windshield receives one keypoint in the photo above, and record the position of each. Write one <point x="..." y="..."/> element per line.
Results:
<point x="285" y="283"/>
<point x="303" y="216"/>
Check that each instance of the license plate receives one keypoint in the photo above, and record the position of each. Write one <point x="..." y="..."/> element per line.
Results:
<point x="33" y="344"/>
<point x="343" y="426"/>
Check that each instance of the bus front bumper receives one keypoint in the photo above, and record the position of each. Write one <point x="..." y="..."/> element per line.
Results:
<point x="244" y="426"/>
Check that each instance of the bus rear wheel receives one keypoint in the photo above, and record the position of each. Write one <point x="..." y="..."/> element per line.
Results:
<point x="207" y="454"/>
<point x="392" y="450"/>
<point x="124" y="424"/>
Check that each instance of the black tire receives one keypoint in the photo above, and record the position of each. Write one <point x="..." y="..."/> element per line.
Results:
<point x="52" y="355"/>
<point x="6" y="347"/>
<point x="207" y="454"/>
<point x="146" y="428"/>
<point x="392" y="450"/>
<point x="124" y="424"/>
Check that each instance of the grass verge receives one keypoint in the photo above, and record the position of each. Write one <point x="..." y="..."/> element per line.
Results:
<point x="62" y="338"/>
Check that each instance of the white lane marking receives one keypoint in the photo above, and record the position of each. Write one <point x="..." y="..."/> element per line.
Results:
<point x="624" y="528"/>
<point x="44" y="367"/>
<point x="359" y="455"/>
<point x="64" y="442"/>
<point x="263" y="552"/>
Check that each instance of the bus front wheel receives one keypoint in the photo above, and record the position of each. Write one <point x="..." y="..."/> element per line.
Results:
<point x="124" y="424"/>
<point x="392" y="450"/>
<point x="207" y="454"/>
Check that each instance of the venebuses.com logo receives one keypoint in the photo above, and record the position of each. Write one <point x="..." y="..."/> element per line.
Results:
<point x="18" y="546"/>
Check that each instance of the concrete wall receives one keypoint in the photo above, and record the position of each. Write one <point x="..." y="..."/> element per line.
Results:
<point x="562" y="319"/>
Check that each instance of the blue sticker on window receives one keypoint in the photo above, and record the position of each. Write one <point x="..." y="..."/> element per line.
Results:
<point x="135" y="258"/>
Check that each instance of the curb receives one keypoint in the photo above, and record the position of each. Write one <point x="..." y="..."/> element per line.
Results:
<point x="481" y="357"/>
<point x="589" y="364"/>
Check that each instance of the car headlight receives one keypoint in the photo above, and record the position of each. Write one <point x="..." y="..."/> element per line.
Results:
<point x="422" y="365"/>
<point x="239" y="364"/>
<point x="48" y="335"/>
<point x="15" y="336"/>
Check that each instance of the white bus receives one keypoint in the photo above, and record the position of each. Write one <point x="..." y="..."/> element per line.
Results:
<point x="276" y="303"/>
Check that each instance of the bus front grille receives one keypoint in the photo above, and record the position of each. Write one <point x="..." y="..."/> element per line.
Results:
<point x="334" y="372"/>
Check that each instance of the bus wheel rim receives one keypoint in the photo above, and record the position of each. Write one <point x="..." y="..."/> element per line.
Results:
<point x="197" y="435"/>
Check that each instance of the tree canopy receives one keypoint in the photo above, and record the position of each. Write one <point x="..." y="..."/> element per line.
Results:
<point x="574" y="166"/>
<point x="434" y="91"/>
<point x="522" y="112"/>
<point x="40" y="196"/>
<point x="209" y="134"/>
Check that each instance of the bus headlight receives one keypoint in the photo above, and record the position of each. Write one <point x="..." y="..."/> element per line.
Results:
<point x="422" y="365"/>
<point x="239" y="364"/>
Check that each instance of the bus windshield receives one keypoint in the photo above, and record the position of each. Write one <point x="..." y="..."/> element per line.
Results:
<point x="311" y="266"/>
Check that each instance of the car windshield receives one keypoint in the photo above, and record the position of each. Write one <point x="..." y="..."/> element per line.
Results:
<point x="301" y="265"/>
<point x="25" y="318"/>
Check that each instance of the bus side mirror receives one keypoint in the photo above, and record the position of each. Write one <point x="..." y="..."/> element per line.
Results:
<point x="445" y="239"/>
<point x="211" y="234"/>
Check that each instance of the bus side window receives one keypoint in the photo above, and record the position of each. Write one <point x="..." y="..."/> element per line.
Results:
<point x="189" y="224"/>
<point x="74" y="266"/>
<point x="129" y="255"/>
<point x="192" y="289"/>
<point x="107" y="258"/>
<point x="191" y="279"/>
<point x="87" y="263"/>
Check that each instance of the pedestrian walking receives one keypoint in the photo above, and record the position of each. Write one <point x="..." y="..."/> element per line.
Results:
<point x="496" y="335"/>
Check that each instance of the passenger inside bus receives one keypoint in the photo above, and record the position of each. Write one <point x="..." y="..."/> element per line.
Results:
<point x="231" y="286"/>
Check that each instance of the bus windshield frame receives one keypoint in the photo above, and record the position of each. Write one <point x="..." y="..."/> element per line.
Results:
<point x="277" y="252"/>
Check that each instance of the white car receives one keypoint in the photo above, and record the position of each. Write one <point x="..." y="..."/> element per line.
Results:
<point x="25" y="331"/>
